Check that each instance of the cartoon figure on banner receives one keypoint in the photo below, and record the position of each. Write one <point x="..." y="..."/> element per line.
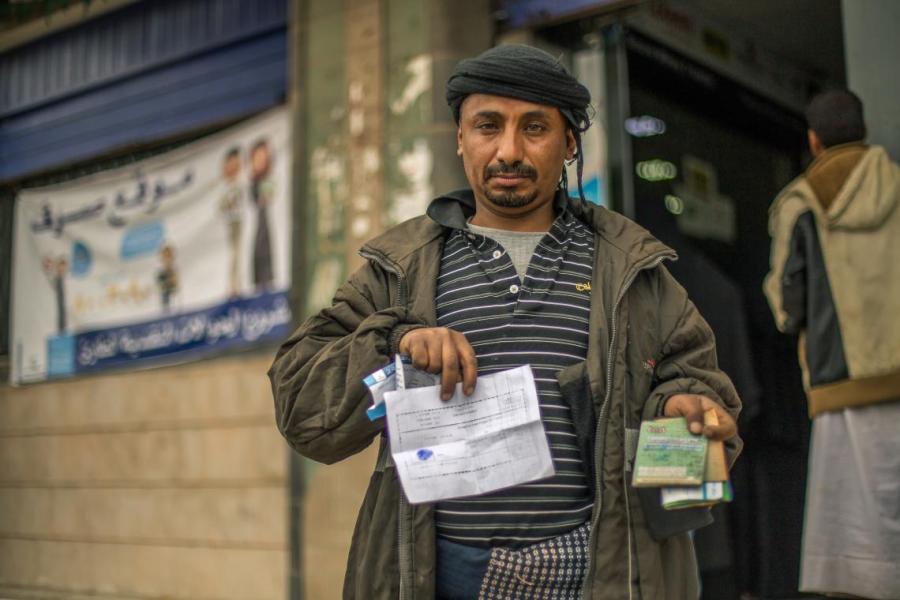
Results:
<point x="262" y="193"/>
<point x="56" y="270"/>
<point x="167" y="276"/>
<point x="231" y="207"/>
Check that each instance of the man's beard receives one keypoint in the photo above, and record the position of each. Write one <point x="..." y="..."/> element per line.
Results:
<point x="509" y="199"/>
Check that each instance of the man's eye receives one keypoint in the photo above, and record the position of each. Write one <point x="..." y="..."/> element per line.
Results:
<point x="486" y="126"/>
<point x="535" y="127"/>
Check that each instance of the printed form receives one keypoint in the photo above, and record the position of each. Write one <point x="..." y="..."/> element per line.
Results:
<point x="468" y="445"/>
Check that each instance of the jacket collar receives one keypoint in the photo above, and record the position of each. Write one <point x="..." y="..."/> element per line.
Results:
<point x="830" y="170"/>
<point x="628" y="241"/>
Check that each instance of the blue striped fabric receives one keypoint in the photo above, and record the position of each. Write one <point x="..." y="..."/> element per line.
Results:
<point x="541" y="321"/>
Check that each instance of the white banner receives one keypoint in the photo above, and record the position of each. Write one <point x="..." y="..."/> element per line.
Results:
<point x="178" y="254"/>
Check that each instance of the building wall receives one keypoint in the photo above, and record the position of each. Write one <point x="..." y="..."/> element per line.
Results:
<point x="379" y="137"/>
<point x="871" y="48"/>
<point x="167" y="483"/>
<point x="164" y="483"/>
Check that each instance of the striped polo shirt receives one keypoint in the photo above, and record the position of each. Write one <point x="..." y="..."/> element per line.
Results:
<point x="541" y="321"/>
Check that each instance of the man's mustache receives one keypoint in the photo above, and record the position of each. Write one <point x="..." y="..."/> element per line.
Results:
<point x="520" y="170"/>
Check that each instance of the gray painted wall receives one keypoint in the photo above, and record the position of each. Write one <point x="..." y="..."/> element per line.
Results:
<point x="872" y="50"/>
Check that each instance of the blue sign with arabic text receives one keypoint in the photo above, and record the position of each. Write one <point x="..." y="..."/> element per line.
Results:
<point x="240" y="322"/>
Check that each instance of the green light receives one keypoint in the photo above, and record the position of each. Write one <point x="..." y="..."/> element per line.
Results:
<point x="674" y="204"/>
<point x="656" y="170"/>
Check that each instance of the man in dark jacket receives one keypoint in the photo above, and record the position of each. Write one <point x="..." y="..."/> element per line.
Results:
<point x="515" y="272"/>
<point x="835" y="281"/>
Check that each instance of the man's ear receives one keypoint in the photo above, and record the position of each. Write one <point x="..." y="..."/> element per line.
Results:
<point x="571" y="147"/>
<point x="816" y="147"/>
<point x="459" y="141"/>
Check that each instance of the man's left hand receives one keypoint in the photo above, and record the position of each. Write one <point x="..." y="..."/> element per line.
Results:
<point x="692" y="407"/>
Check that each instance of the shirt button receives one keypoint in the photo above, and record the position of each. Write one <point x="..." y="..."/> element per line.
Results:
<point x="497" y="254"/>
<point x="513" y="289"/>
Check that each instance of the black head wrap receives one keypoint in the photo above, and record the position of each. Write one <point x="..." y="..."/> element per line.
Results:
<point x="525" y="73"/>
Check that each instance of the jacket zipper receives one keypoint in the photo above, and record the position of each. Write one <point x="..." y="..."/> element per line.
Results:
<point x="599" y="435"/>
<point x="404" y="511"/>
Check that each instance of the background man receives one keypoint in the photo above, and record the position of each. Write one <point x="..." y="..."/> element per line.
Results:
<point x="835" y="280"/>
<point x="512" y="272"/>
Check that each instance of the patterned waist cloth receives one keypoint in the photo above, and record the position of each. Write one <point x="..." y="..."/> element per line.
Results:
<point x="552" y="569"/>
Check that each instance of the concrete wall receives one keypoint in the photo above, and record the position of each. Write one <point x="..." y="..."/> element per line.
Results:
<point x="169" y="483"/>
<point x="379" y="137"/>
<point x="871" y="48"/>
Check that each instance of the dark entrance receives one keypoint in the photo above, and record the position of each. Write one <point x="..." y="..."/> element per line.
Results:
<point x="704" y="187"/>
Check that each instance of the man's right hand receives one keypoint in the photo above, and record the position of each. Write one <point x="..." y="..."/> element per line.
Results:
<point x="444" y="351"/>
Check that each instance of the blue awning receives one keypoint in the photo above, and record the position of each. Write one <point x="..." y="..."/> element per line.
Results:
<point x="151" y="71"/>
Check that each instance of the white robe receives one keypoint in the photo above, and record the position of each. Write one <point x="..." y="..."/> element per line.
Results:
<point x="851" y="534"/>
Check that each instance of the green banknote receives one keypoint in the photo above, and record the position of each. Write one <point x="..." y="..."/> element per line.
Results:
<point x="668" y="454"/>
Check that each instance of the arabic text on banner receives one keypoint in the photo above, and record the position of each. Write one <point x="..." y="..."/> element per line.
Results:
<point x="181" y="254"/>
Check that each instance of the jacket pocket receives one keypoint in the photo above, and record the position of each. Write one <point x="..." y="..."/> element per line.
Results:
<point x="575" y="387"/>
<point x="662" y="523"/>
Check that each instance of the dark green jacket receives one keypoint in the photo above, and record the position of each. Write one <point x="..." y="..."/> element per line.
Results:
<point x="647" y="342"/>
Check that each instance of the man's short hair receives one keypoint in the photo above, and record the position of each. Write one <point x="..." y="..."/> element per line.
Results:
<point x="837" y="117"/>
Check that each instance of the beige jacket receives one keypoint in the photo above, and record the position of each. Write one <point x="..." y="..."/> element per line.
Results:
<point x="835" y="275"/>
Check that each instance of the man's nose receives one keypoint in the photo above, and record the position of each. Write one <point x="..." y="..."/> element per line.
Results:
<point x="510" y="147"/>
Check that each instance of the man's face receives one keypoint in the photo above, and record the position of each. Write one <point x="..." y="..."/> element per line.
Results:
<point x="513" y="152"/>
<point x="259" y="160"/>
<point x="232" y="167"/>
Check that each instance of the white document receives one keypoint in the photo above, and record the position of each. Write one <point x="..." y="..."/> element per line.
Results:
<point x="468" y="445"/>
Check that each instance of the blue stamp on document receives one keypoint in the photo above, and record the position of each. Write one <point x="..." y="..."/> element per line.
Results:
<point x="424" y="454"/>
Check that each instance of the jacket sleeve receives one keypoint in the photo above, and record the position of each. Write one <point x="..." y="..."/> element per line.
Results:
<point x="786" y="283"/>
<point x="317" y="375"/>
<point x="687" y="362"/>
